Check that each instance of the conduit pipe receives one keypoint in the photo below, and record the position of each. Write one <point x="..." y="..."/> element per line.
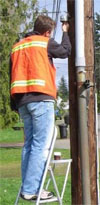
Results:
<point x="79" y="32"/>
<point x="82" y="104"/>
<point x="97" y="144"/>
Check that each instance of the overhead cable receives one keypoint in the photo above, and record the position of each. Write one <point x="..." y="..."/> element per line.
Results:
<point x="57" y="15"/>
<point x="53" y="9"/>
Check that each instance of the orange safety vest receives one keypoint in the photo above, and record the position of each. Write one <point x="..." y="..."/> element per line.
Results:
<point x="31" y="69"/>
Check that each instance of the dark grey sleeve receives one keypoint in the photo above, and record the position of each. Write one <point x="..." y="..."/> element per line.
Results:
<point x="12" y="101"/>
<point x="56" y="50"/>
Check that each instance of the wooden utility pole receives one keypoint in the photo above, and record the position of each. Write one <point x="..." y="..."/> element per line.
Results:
<point x="75" y="153"/>
<point x="75" y="170"/>
<point x="89" y="55"/>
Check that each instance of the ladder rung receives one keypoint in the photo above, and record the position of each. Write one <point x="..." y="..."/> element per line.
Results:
<point x="61" y="161"/>
<point x="47" y="200"/>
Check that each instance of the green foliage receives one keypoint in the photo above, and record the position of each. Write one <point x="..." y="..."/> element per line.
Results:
<point x="61" y="110"/>
<point x="97" y="56"/>
<point x="98" y="100"/>
<point x="63" y="90"/>
<point x="16" y="18"/>
<point x="97" y="30"/>
<point x="63" y="94"/>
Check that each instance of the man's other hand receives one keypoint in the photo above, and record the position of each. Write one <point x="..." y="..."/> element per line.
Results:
<point x="65" y="26"/>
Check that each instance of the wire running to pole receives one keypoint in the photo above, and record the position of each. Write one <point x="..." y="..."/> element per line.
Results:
<point x="57" y="15"/>
<point x="56" y="19"/>
<point x="53" y="9"/>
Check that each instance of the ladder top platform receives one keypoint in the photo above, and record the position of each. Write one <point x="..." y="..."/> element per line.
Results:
<point x="61" y="161"/>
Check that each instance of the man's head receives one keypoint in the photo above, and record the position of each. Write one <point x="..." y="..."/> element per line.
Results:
<point x="44" y="25"/>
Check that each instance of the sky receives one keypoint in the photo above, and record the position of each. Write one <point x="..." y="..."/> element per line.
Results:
<point x="61" y="65"/>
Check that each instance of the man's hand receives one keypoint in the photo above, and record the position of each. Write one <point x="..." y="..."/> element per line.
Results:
<point x="65" y="26"/>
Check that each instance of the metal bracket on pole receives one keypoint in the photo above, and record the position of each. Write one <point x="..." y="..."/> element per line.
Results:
<point x="87" y="84"/>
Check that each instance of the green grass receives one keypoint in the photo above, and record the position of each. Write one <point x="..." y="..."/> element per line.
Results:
<point x="10" y="162"/>
<point x="10" y="180"/>
<point x="9" y="189"/>
<point x="9" y="135"/>
<point x="10" y="159"/>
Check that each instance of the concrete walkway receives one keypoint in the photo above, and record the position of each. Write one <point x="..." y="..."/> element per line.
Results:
<point x="60" y="144"/>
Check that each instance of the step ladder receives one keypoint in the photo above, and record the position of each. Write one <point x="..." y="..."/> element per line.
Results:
<point x="50" y="166"/>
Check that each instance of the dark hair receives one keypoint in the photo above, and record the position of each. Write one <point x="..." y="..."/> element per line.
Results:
<point x="43" y="24"/>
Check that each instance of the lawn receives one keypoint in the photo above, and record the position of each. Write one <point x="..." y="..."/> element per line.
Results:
<point x="10" y="135"/>
<point x="10" y="177"/>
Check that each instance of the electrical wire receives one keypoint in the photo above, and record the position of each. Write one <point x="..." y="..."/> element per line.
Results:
<point x="53" y="9"/>
<point x="57" y="15"/>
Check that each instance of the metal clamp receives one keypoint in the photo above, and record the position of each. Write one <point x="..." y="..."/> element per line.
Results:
<point x="87" y="84"/>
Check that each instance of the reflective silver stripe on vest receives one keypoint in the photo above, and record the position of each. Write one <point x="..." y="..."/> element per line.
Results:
<point x="27" y="83"/>
<point x="31" y="44"/>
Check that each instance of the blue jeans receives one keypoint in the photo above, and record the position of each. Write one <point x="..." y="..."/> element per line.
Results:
<point x="38" y="120"/>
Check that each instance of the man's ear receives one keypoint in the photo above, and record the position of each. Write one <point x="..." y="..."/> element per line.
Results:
<point x="47" y="34"/>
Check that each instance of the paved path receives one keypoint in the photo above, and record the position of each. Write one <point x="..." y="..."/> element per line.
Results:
<point x="60" y="144"/>
<point x="10" y="145"/>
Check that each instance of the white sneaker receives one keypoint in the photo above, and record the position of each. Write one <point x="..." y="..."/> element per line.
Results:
<point x="46" y="195"/>
<point x="28" y="197"/>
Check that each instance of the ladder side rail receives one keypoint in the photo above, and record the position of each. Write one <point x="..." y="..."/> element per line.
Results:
<point x="65" y="181"/>
<point x="18" y="195"/>
<point x="55" y="186"/>
<point x="49" y="180"/>
<point x="47" y="164"/>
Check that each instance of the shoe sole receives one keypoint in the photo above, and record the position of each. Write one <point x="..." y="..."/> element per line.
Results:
<point x="31" y="199"/>
<point x="48" y="197"/>
<point x="35" y="198"/>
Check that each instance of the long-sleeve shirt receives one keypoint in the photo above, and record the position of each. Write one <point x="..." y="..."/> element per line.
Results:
<point x="55" y="50"/>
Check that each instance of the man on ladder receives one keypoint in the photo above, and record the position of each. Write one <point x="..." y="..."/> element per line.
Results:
<point x="33" y="92"/>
